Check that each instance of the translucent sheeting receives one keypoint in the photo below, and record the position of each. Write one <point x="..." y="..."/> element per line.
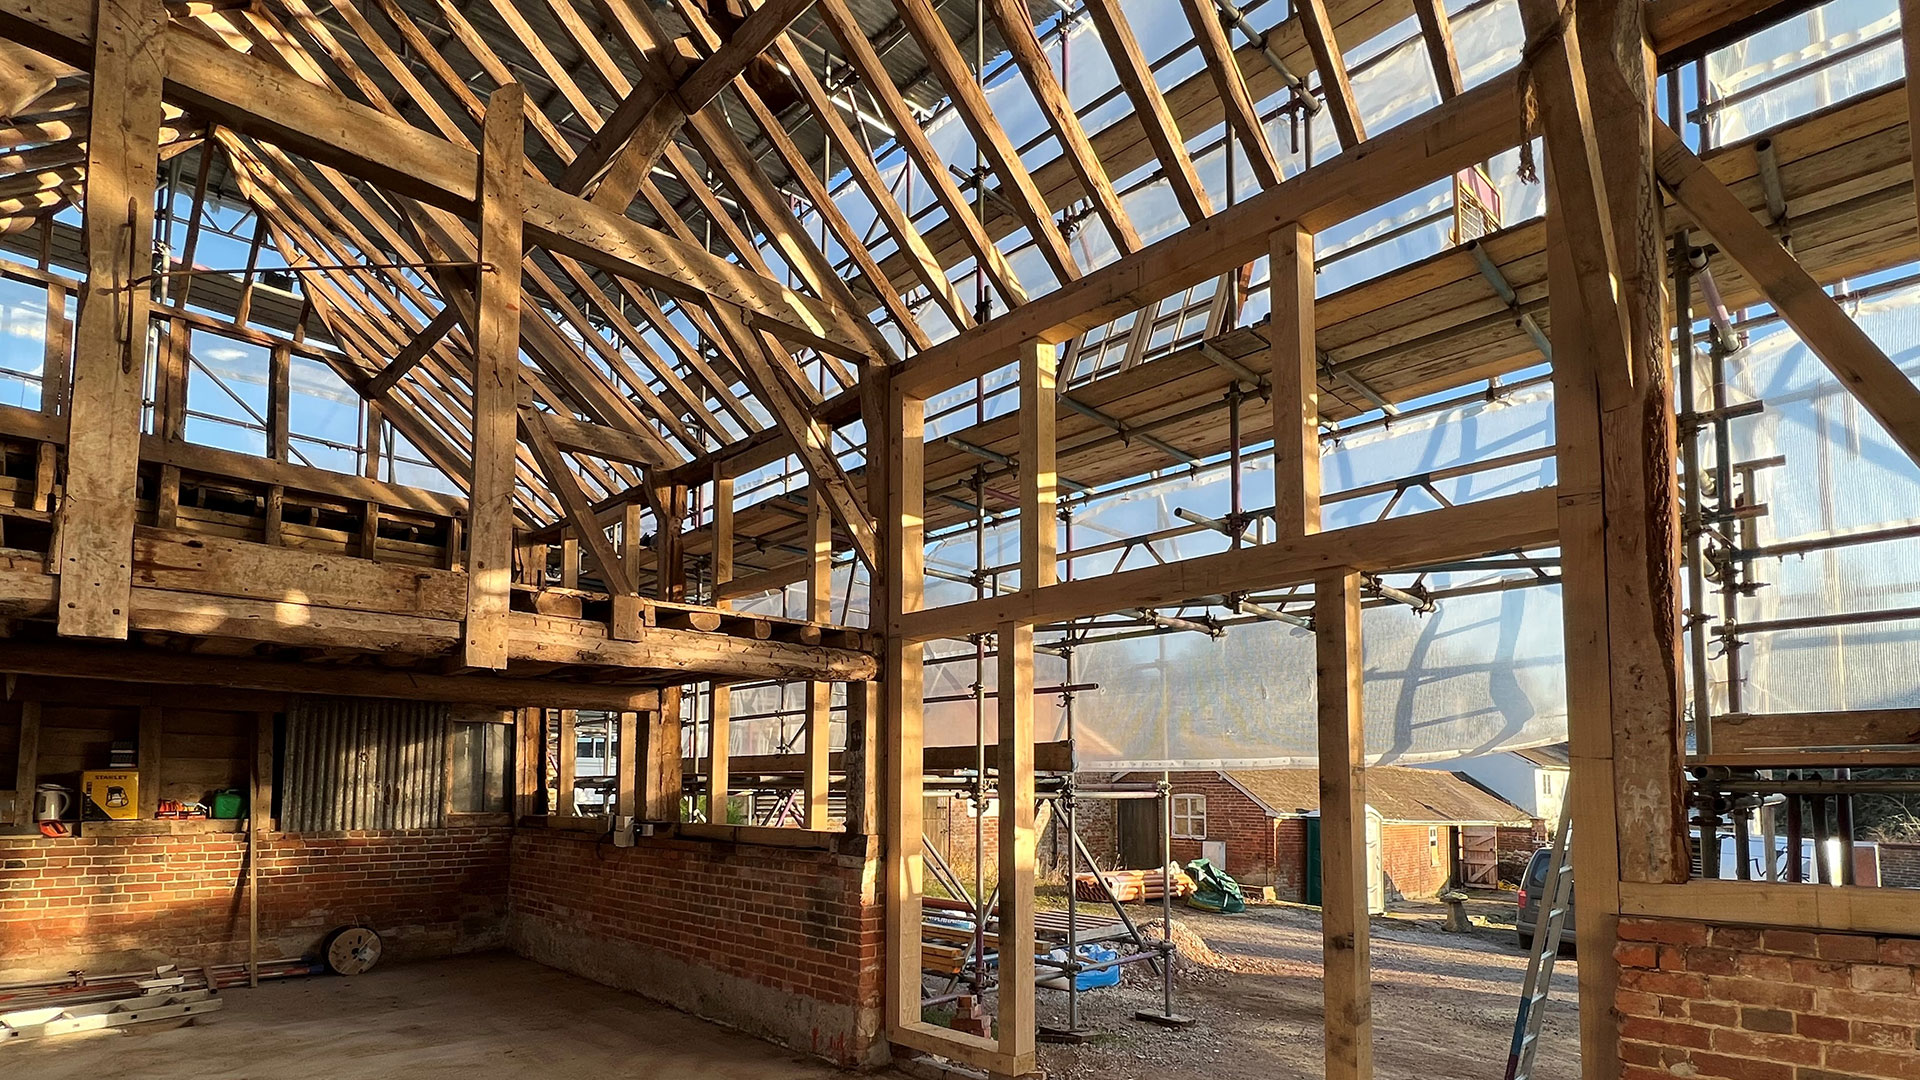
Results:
<point x="1842" y="475"/>
<point x="1865" y="34"/>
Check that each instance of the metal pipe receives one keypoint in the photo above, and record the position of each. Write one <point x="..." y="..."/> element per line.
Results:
<point x="1239" y="22"/>
<point x="1756" y="785"/>
<point x="1690" y="492"/>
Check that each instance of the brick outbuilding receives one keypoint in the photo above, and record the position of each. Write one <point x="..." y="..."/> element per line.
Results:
<point x="1258" y="823"/>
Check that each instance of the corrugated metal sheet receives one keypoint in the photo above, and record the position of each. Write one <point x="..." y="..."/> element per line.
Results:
<point x="365" y="763"/>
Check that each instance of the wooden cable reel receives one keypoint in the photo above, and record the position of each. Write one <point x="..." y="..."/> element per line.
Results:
<point x="351" y="950"/>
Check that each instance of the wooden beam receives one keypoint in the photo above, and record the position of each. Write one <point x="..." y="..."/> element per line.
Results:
<point x="25" y="76"/>
<point x="565" y="755"/>
<point x="903" y="675"/>
<point x="1610" y="473"/>
<point x="26" y="771"/>
<point x="1744" y="732"/>
<point x="722" y="565"/>
<point x="152" y="759"/>
<point x="103" y="458"/>
<point x="874" y="75"/>
<point x="127" y="663"/>
<point x="970" y="101"/>
<point x="646" y="120"/>
<point x="1296" y="384"/>
<point x="719" y="750"/>
<point x="1471" y="128"/>
<point x="496" y="384"/>
<point x="1846" y="909"/>
<point x="627" y="736"/>
<point x="279" y="403"/>
<point x="1243" y="114"/>
<point x="1150" y="106"/>
<point x="1344" y="865"/>
<point x="813" y="442"/>
<point x="1317" y="26"/>
<point x="1468" y="530"/>
<point x="819" y="694"/>
<point x="597" y="439"/>
<point x="1910" y="52"/>
<point x="1017" y="1020"/>
<point x="1437" y="32"/>
<point x="1885" y="391"/>
<point x="566" y="485"/>
<point x="660" y="776"/>
<point x="406" y="359"/>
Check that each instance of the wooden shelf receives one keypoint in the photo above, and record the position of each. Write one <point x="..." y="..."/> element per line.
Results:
<point x="164" y="827"/>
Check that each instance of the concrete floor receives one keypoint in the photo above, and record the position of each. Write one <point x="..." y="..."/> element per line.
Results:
<point x="494" y="1015"/>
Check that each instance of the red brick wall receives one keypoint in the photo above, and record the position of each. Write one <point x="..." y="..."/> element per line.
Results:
<point x="1407" y="859"/>
<point x="1516" y="848"/>
<point x="1737" y="1002"/>
<point x="109" y="903"/>
<point x="1232" y="817"/>
<point x="785" y="943"/>
<point x="1900" y="865"/>
<point x="1290" y="859"/>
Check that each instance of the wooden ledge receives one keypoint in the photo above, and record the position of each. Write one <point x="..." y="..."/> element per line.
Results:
<point x="1845" y="908"/>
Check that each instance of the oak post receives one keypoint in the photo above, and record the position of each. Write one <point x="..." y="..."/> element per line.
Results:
<point x="496" y="381"/>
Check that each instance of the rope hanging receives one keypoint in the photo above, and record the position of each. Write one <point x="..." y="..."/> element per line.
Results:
<point x="1537" y="43"/>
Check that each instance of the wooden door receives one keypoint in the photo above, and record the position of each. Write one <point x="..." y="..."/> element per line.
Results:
<point x="1479" y="856"/>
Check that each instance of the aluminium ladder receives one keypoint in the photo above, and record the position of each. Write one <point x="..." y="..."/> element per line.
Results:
<point x="1555" y="902"/>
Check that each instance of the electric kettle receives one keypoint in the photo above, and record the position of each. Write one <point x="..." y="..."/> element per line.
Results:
<point x="51" y="802"/>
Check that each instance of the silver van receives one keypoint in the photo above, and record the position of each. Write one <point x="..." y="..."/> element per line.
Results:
<point x="1533" y="889"/>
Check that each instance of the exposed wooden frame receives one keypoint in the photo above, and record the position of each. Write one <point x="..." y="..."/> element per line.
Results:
<point x="970" y="101"/>
<point x="1467" y="530"/>
<point x="1882" y="389"/>
<point x="1016" y="29"/>
<point x="496" y="385"/>
<point x="812" y="440"/>
<point x="1471" y="128"/>
<point x="564" y="483"/>
<point x="1437" y="32"/>
<point x="873" y="74"/>
<point x="1845" y="909"/>
<point x="1150" y="106"/>
<point x="1296" y="384"/>
<point x="1317" y="27"/>
<point x="1344" y="871"/>
<point x="819" y="718"/>
<point x="640" y="127"/>
<point x="123" y="128"/>
<point x="1243" y="113"/>
<point x="424" y="342"/>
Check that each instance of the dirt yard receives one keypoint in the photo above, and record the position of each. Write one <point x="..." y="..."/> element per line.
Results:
<point x="1443" y="1004"/>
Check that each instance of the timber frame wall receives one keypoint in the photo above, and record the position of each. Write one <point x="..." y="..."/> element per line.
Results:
<point x="110" y="573"/>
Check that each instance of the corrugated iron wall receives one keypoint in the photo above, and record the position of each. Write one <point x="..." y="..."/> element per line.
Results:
<point x="365" y="763"/>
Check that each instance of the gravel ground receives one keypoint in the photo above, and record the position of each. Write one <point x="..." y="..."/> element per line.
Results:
<point x="1443" y="1004"/>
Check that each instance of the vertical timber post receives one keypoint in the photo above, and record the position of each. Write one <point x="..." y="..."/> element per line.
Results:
<point x="496" y="382"/>
<point x="103" y="447"/>
<point x="720" y="714"/>
<point x="903" y="525"/>
<point x="1619" y="527"/>
<point x="1345" y="869"/>
<point x="1296" y="385"/>
<point x="819" y="694"/>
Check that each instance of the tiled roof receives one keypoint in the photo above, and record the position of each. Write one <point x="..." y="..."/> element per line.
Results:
<point x="1399" y="793"/>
